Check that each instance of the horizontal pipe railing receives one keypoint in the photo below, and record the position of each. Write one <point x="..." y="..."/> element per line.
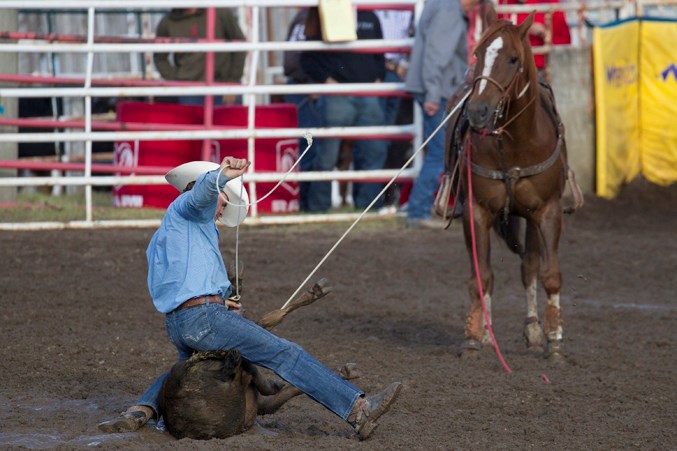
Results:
<point x="332" y="88"/>
<point x="154" y="223"/>
<point x="368" y="4"/>
<point x="371" y="132"/>
<point x="166" y="4"/>
<point x="373" y="45"/>
<point x="380" y="175"/>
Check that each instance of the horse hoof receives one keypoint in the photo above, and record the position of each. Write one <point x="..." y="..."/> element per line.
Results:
<point x="555" y="358"/>
<point x="553" y="352"/>
<point x="533" y="334"/>
<point x="469" y="354"/>
<point x="470" y="348"/>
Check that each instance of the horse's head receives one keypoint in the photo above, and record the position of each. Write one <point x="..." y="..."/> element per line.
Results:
<point x="503" y="72"/>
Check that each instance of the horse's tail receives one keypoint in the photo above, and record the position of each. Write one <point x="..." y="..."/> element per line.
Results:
<point x="510" y="231"/>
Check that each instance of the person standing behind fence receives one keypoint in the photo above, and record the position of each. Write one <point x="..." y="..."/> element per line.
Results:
<point x="537" y="32"/>
<point x="395" y="25"/>
<point x="349" y="110"/>
<point x="437" y="68"/>
<point x="191" y="23"/>
<point x="309" y="107"/>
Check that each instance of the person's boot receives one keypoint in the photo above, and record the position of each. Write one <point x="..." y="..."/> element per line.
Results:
<point x="126" y="422"/>
<point x="367" y="410"/>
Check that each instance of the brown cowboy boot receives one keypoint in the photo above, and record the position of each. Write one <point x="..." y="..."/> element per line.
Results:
<point x="367" y="410"/>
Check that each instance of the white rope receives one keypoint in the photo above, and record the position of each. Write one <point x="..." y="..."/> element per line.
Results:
<point x="309" y="140"/>
<point x="392" y="180"/>
<point x="236" y="297"/>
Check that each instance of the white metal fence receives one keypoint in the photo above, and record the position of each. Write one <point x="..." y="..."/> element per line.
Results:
<point x="253" y="92"/>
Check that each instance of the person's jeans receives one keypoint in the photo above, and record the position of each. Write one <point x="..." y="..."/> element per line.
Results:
<point x="346" y="111"/>
<point x="212" y="327"/>
<point x="390" y="105"/>
<point x="422" y="194"/>
<point x="199" y="100"/>
<point x="310" y="113"/>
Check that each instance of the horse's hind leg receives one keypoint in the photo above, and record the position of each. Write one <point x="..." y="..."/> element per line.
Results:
<point x="533" y="333"/>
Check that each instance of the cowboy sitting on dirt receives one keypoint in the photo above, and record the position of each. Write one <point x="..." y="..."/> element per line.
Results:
<point x="186" y="269"/>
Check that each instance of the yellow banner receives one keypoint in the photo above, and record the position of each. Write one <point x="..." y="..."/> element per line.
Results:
<point x="616" y="58"/>
<point x="658" y="93"/>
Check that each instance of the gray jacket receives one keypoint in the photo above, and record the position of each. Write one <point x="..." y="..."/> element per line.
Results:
<point x="439" y="59"/>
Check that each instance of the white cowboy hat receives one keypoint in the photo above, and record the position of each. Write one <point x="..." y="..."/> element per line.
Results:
<point x="235" y="211"/>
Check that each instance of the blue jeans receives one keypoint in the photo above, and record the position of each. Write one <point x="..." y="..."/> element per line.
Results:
<point x="390" y="105"/>
<point x="199" y="100"/>
<point x="310" y="113"/>
<point x="422" y="194"/>
<point x="212" y="327"/>
<point x="346" y="111"/>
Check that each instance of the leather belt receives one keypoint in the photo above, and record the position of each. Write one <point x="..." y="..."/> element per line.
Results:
<point x="201" y="300"/>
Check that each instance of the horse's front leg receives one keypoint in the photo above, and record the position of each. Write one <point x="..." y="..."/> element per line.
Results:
<point x="476" y="333"/>
<point x="533" y="332"/>
<point x="550" y="228"/>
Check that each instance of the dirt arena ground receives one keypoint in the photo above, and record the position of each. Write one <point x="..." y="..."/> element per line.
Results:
<point x="81" y="340"/>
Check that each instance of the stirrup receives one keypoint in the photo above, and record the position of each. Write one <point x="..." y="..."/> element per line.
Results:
<point x="443" y="195"/>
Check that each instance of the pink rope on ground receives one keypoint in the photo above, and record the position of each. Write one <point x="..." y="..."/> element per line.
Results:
<point x="477" y="268"/>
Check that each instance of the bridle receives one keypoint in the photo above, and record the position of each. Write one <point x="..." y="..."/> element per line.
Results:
<point x="504" y="101"/>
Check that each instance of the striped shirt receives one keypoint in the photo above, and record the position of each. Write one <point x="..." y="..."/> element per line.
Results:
<point x="395" y="25"/>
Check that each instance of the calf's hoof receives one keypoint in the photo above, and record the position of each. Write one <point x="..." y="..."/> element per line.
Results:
<point x="126" y="422"/>
<point x="349" y="371"/>
<point x="321" y="288"/>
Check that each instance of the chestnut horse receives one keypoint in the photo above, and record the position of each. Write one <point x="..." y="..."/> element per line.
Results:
<point x="513" y="142"/>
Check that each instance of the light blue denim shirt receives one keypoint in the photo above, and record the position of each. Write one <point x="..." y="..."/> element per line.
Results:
<point x="184" y="259"/>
